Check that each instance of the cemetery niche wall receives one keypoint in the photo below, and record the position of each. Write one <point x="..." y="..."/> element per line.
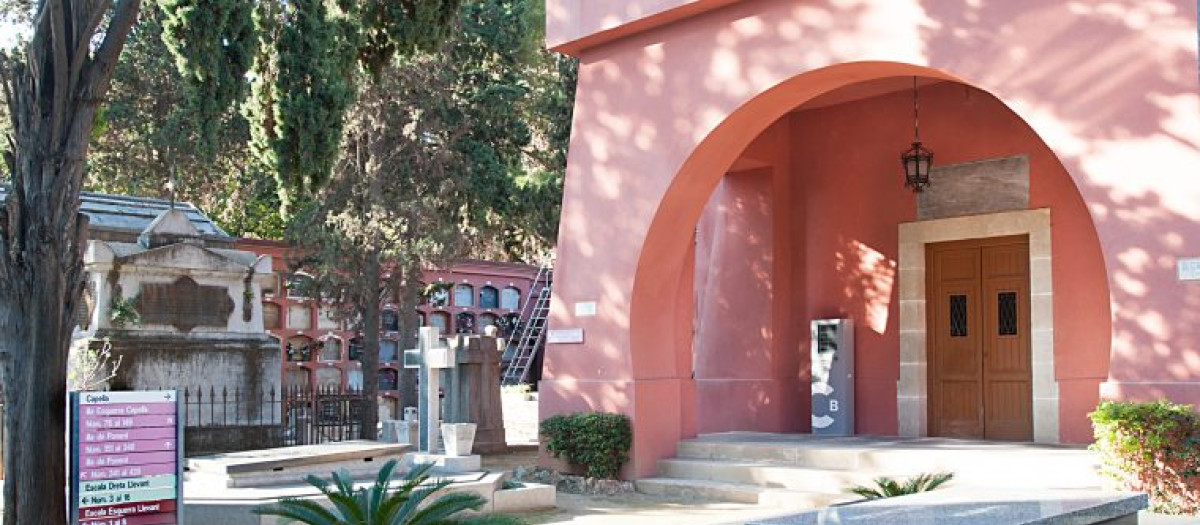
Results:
<point x="179" y="305"/>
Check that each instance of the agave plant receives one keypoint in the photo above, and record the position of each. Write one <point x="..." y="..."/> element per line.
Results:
<point x="889" y="488"/>
<point x="413" y="501"/>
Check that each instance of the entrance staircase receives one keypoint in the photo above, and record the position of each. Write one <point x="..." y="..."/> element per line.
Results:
<point x="804" y="471"/>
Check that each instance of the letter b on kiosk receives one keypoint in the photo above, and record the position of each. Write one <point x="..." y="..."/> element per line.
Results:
<point x="833" y="377"/>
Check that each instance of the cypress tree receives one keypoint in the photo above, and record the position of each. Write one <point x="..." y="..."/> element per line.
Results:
<point x="213" y="42"/>
<point x="389" y="27"/>
<point x="299" y="98"/>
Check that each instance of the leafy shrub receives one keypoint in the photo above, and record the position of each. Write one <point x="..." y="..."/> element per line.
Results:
<point x="122" y="313"/>
<point x="413" y="502"/>
<point x="598" y="442"/>
<point x="889" y="488"/>
<point x="1153" y="448"/>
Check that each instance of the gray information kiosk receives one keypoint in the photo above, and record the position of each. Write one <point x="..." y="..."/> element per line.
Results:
<point x="833" y="377"/>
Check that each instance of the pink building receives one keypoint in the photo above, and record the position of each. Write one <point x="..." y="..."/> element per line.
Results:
<point x="734" y="173"/>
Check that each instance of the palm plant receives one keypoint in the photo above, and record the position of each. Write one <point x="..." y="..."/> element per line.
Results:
<point x="412" y="502"/>
<point x="889" y="488"/>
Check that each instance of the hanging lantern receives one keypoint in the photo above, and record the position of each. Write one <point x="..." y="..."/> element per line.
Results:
<point x="917" y="160"/>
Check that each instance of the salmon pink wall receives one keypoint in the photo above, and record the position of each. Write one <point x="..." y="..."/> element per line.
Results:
<point x="663" y="112"/>
<point x="735" y="333"/>
<point x="848" y="159"/>
<point x="579" y="24"/>
<point x="749" y="374"/>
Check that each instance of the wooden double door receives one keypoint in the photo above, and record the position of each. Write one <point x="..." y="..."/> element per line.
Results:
<point x="979" y="346"/>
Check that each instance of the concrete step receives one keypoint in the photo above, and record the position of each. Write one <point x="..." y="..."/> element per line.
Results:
<point x="783" y="454"/>
<point x="738" y="492"/>
<point x="763" y="474"/>
<point x="1016" y="465"/>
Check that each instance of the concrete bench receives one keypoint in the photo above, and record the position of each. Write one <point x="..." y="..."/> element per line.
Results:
<point x="952" y="506"/>
<point x="257" y="468"/>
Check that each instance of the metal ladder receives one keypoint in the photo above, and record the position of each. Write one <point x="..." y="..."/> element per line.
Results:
<point x="523" y="347"/>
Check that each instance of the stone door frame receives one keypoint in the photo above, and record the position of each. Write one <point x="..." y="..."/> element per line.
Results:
<point x="912" y="393"/>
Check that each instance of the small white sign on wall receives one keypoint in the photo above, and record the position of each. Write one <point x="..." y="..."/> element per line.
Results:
<point x="1189" y="269"/>
<point x="565" y="336"/>
<point x="587" y="309"/>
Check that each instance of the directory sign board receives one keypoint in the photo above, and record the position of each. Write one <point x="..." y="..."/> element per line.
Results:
<point x="126" y="458"/>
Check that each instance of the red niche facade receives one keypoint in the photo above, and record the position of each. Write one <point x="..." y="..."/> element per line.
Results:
<point x="319" y="351"/>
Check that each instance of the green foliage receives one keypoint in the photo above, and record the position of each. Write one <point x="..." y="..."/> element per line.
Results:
<point x="599" y="442"/>
<point x="302" y="91"/>
<point x="512" y="109"/>
<point x="148" y="132"/>
<point x="391" y="27"/>
<point x="214" y="44"/>
<point x="1152" y="447"/>
<point x="304" y="77"/>
<point x="889" y="488"/>
<point x="170" y="109"/>
<point x="122" y="313"/>
<point x="414" y="501"/>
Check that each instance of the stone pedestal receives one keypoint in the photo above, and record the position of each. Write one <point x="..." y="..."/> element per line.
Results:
<point x="403" y="432"/>
<point x="450" y="464"/>
<point x="473" y="392"/>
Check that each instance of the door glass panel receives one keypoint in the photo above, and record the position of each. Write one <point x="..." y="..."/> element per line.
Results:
<point x="1007" y="311"/>
<point x="958" y="316"/>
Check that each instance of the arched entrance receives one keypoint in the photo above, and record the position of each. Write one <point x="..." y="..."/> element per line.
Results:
<point x="794" y="209"/>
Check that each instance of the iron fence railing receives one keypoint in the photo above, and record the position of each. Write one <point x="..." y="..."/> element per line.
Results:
<point x="219" y="420"/>
<point x="222" y="408"/>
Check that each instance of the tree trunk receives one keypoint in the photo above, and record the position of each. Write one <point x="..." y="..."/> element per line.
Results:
<point x="53" y="90"/>
<point x="407" y="380"/>
<point x="36" y="340"/>
<point x="370" y="358"/>
<point x="409" y="276"/>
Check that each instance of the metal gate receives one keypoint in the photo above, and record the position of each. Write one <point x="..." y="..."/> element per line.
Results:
<point x="322" y="415"/>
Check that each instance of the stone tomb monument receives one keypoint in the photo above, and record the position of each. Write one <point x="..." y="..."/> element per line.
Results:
<point x="181" y="308"/>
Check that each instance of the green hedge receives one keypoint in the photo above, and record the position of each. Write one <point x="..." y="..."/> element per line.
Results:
<point x="1152" y="448"/>
<point x="598" y="442"/>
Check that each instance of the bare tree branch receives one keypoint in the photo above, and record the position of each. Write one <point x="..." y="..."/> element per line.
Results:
<point x="100" y="69"/>
<point x="97" y="10"/>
